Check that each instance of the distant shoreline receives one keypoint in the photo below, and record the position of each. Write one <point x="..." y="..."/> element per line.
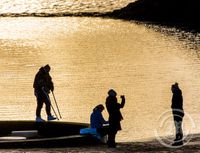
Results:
<point x="194" y="28"/>
<point x="182" y="14"/>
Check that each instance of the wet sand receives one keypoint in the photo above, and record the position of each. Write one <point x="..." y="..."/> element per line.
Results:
<point x="124" y="147"/>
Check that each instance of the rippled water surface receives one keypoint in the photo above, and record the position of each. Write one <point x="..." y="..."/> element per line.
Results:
<point x="89" y="56"/>
<point x="60" y="6"/>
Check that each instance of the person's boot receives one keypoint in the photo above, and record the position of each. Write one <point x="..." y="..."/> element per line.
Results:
<point x="111" y="144"/>
<point x="39" y="119"/>
<point x="178" y="141"/>
<point x="50" y="118"/>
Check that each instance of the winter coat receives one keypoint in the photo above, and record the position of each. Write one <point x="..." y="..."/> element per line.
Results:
<point x="113" y="108"/>
<point x="177" y="99"/>
<point x="43" y="82"/>
<point x="96" y="119"/>
<point x="177" y="105"/>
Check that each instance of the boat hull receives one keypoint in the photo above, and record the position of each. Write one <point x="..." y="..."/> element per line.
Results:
<point x="22" y="134"/>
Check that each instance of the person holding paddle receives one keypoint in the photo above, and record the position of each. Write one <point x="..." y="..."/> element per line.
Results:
<point x="42" y="86"/>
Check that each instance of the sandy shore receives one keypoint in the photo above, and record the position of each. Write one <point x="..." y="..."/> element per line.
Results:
<point x="137" y="147"/>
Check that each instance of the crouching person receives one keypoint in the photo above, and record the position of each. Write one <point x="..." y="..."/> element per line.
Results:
<point x="98" y="125"/>
<point x="98" y="122"/>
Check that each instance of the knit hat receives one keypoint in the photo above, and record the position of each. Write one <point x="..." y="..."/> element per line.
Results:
<point x="112" y="92"/>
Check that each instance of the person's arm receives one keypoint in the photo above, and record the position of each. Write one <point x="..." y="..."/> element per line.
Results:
<point x="50" y="84"/>
<point x="103" y="121"/>
<point x="123" y="101"/>
<point x="38" y="81"/>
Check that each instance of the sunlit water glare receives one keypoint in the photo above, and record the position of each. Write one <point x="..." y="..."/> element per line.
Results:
<point x="60" y="6"/>
<point x="89" y="56"/>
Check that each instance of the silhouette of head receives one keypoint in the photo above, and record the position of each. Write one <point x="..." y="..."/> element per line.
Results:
<point x="174" y="87"/>
<point x="47" y="68"/>
<point x="176" y="84"/>
<point x="112" y="93"/>
<point x="99" y="107"/>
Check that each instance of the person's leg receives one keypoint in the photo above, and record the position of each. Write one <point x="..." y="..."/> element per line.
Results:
<point x="180" y="125"/>
<point x="176" y="130"/>
<point x="39" y="106"/>
<point x="111" y="138"/>
<point x="48" y="105"/>
<point x="181" y="130"/>
<point x="178" y="117"/>
<point x="103" y="131"/>
<point x="38" y="109"/>
<point x="48" y="109"/>
<point x="179" y="134"/>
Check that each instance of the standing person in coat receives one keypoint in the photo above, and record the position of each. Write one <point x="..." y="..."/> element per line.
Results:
<point x="115" y="116"/>
<point x="178" y="113"/>
<point x="42" y="86"/>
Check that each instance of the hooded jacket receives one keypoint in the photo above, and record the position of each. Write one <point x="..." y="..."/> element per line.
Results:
<point x="43" y="81"/>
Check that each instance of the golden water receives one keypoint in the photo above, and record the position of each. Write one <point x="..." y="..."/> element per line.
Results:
<point x="88" y="56"/>
<point x="60" y="6"/>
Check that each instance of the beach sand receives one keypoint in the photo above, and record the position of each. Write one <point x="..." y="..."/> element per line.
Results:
<point x="193" y="146"/>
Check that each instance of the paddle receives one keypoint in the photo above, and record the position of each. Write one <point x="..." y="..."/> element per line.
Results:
<point x="54" y="111"/>
<point x="50" y="104"/>
<point x="56" y="104"/>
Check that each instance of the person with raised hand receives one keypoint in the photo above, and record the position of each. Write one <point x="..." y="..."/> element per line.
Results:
<point x="115" y="116"/>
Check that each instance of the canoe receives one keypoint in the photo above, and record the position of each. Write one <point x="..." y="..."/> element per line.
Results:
<point x="22" y="134"/>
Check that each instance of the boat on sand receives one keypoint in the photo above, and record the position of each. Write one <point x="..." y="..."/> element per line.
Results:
<point x="22" y="134"/>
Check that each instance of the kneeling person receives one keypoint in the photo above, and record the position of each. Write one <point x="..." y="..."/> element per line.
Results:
<point x="97" y="121"/>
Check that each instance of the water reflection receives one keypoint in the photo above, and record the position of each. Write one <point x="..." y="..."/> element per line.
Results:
<point x="190" y="39"/>
<point x="88" y="56"/>
<point x="23" y="7"/>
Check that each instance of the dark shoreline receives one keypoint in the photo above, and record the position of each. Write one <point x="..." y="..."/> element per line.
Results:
<point x="181" y="14"/>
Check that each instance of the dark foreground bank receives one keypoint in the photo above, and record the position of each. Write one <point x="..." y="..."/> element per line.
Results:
<point x="193" y="146"/>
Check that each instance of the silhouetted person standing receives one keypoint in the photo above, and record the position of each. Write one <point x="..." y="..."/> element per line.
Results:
<point x="178" y="113"/>
<point x="115" y="116"/>
<point x="42" y="86"/>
